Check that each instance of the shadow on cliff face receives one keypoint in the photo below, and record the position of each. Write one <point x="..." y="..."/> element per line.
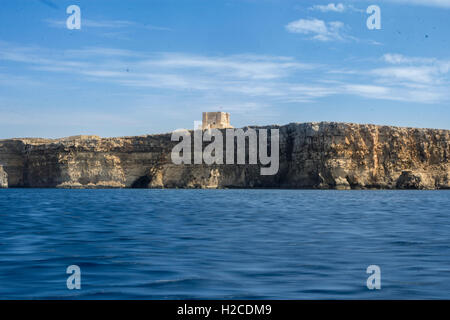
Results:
<point x="413" y="181"/>
<point x="311" y="156"/>
<point x="142" y="182"/>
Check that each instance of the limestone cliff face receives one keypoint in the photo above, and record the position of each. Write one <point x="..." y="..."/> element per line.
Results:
<point x="312" y="155"/>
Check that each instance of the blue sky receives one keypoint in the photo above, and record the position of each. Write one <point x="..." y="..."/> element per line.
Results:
<point x="139" y="67"/>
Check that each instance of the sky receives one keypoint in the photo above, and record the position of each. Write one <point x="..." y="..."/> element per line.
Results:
<point x="152" y="66"/>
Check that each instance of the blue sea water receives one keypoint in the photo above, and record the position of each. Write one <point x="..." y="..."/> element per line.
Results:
<point x="224" y="244"/>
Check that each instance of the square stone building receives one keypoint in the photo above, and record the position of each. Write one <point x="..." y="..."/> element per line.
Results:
<point x="216" y="120"/>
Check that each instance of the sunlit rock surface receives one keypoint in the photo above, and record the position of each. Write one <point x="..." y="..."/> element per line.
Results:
<point x="312" y="155"/>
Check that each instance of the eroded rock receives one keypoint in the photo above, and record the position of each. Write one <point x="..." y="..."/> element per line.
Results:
<point x="323" y="155"/>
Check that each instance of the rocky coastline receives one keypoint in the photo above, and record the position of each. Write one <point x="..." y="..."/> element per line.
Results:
<point x="325" y="155"/>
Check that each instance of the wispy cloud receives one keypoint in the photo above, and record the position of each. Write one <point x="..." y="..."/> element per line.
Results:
<point x="414" y="79"/>
<point x="238" y="66"/>
<point x="439" y="66"/>
<point x="332" y="7"/>
<point x="257" y="79"/>
<point x="16" y="80"/>
<point x="401" y="94"/>
<point x="411" y="74"/>
<point x="425" y="79"/>
<point x="111" y="24"/>
<point x="318" y="29"/>
<point x="394" y="58"/>
<point x="329" y="7"/>
<point x="432" y="3"/>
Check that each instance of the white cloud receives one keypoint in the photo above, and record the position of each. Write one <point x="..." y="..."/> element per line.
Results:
<point x="432" y="3"/>
<point x="412" y="74"/>
<point x="238" y="66"/>
<point x="319" y="29"/>
<point x="366" y="90"/>
<point x="329" y="7"/>
<point x="332" y="7"/>
<point x="396" y="93"/>
<point x="394" y="58"/>
<point x="307" y="26"/>
<point x="258" y="79"/>
<point x="99" y="51"/>
<point x="111" y="24"/>
<point x="414" y="69"/>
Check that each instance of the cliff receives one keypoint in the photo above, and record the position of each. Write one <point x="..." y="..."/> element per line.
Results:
<point x="312" y="155"/>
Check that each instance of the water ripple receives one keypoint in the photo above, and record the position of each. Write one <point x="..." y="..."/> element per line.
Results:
<point x="224" y="244"/>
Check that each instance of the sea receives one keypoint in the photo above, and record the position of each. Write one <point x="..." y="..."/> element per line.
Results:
<point x="224" y="244"/>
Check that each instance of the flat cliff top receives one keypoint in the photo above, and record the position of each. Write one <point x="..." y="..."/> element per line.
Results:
<point x="310" y="155"/>
<point x="316" y="126"/>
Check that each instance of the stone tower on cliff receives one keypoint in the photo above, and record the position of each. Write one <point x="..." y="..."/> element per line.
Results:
<point x="216" y="120"/>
